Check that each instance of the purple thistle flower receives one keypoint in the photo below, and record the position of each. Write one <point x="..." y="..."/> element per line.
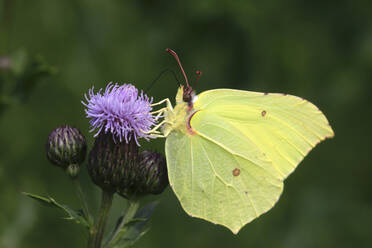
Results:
<point x="120" y="110"/>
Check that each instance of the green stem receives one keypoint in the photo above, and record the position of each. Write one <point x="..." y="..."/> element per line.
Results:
<point x="96" y="232"/>
<point x="128" y="214"/>
<point x="81" y="197"/>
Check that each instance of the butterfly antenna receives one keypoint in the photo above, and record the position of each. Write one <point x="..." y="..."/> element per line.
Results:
<point x="198" y="75"/>
<point x="174" y="54"/>
<point x="159" y="76"/>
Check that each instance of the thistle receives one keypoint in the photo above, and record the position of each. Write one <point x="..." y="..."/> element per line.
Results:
<point x="121" y="111"/>
<point x="120" y="116"/>
<point x="149" y="176"/>
<point x="110" y="162"/>
<point x="66" y="148"/>
<point x="153" y="171"/>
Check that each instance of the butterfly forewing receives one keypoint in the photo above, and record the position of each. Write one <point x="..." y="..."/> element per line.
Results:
<point x="283" y="127"/>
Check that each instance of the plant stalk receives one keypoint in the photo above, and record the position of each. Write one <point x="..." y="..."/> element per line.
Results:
<point x="83" y="203"/>
<point x="128" y="215"/>
<point x="96" y="232"/>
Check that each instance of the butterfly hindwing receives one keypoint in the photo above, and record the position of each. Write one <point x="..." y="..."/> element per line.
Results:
<point x="214" y="184"/>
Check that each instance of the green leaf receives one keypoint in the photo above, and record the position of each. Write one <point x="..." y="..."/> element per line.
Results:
<point x="126" y="243"/>
<point x="135" y="228"/>
<point x="73" y="215"/>
<point x="136" y="220"/>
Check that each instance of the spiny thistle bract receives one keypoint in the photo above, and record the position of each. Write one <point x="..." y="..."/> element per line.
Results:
<point x="152" y="172"/>
<point x="66" y="146"/>
<point x="110" y="161"/>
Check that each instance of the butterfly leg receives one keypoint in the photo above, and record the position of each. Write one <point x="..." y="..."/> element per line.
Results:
<point x="159" y="111"/>
<point x="158" y="136"/>
<point x="154" y="130"/>
<point x="160" y="115"/>
<point x="166" y="100"/>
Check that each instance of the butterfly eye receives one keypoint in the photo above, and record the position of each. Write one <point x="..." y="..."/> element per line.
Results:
<point x="187" y="91"/>
<point x="186" y="98"/>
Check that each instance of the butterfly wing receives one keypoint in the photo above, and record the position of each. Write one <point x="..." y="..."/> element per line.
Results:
<point x="283" y="128"/>
<point x="218" y="185"/>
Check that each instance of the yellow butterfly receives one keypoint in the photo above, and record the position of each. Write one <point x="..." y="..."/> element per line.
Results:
<point x="229" y="151"/>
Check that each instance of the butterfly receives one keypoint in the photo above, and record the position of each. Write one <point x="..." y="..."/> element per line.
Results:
<point x="228" y="151"/>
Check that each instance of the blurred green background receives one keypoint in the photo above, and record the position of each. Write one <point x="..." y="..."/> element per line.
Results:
<point x="319" y="50"/>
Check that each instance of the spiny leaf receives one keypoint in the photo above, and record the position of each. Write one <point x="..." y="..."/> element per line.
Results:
<point x="73" y="215"/>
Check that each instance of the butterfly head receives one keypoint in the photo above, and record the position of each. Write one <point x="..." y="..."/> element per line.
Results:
<point x="188" y="94"/>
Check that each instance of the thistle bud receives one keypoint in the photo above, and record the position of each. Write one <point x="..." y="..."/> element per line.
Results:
<point x="110" y="161"/>
<point x="153" y="176"/>
<point x="66" y="146"/>
<point x="148" y="176"/>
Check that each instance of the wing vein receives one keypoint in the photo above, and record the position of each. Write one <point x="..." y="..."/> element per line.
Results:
<point x="296" y="131"/>
<point x="234" y="153"/>
<point x="211" y="165"/>
<point x="279" y="134"/>
<point x="216" y="175"/>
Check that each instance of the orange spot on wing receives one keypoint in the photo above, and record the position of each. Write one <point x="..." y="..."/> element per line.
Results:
<point x="236" y="172"/>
